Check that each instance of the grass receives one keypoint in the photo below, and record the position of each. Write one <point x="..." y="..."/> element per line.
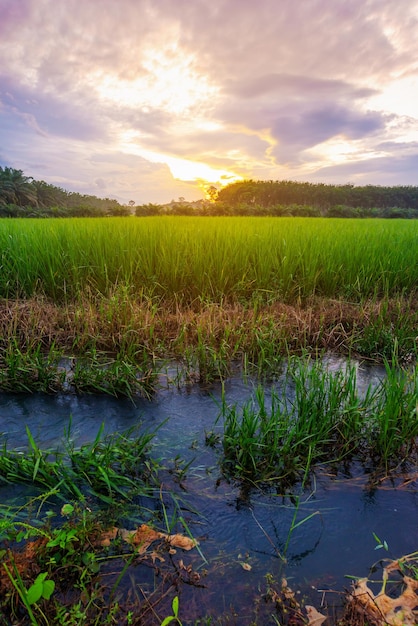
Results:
<point x="189" y="258"/>
<point x="126" y="375"/>
<point x="208" y="291"/>
<point x="323" y="421"/>
<point x="64" y="554"/>
<point x="118" y="295"/>
<point x="278" y="439"/>
<point x="109" y="467"/>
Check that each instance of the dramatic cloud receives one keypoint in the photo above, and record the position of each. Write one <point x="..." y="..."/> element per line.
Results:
<point x="152" y="99"/>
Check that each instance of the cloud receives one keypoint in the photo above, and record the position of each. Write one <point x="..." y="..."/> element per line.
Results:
<point x="393" y="170"/>
<point x="258" y="89"/>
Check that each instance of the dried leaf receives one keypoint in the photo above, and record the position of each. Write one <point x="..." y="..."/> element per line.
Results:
<point x="383" y="609"/>
<point x="108" y="536"/>
<point x="246" y="566"/>
<point x="286" y="590"/>
<point x="180" y="541"/>
<point x="315" y="618"/>
<point x="144" y="536"/>
<point x="154" y="556"/>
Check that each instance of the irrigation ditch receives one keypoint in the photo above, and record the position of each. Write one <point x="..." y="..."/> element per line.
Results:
<point x="244" y="500"/>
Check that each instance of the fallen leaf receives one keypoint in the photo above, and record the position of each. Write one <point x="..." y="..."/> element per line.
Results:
<point x="383" y="609"/>
<point x="315" y="618"/>
<point x="141" y="537"/>
<point x="246" y="566"/>
<point x="154" y="556"/>
<point x="180" y="541"/>
<point x="108" y="536"/>
<point x="144" y="536"/>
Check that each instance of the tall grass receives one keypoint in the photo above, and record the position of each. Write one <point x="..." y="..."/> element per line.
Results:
<point x="209" y="258"/>
<point x="318" y="417"/>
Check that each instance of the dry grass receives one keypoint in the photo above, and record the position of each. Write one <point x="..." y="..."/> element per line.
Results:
<point x="166" y="329"/>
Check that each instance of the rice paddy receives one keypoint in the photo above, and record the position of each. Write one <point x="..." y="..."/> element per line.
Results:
<point x="103" y="306"/>
<point x="209" y="259"/>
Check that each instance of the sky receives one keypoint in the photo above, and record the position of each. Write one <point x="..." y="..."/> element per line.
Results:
<point x="152" y="100"/>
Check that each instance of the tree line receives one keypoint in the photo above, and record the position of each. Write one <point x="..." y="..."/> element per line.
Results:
<point x="23" y="196"/>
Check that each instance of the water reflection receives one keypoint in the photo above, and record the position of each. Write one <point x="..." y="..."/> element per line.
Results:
<point x="333" y="522"/>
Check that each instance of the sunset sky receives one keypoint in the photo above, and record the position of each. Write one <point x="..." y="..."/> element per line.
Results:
<point x="149" y="100"/>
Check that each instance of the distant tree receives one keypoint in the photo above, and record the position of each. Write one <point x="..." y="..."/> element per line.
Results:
<point x="145" y="210"/>
<point x="16" y="188"/>
<point x="211" y="193"/>
<point x="119" y="211"/>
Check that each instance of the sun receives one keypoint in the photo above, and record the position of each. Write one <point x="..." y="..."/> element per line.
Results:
<point x="168" y="82"/>
<point x="185" y="170"/>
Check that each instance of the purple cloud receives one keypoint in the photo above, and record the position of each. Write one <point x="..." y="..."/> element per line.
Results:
<point x="85" y="83"/>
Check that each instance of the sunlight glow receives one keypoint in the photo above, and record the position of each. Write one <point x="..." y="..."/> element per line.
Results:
<point x="181" y="169"/>
<point x="336" y="150"/>
<point x="399" y="97"/>
<point x="167" y="81"/>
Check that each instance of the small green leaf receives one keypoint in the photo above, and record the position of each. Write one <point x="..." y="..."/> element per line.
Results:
<point x="175" y="606"/>
<point x="67" y="510"/>
<point x="48" y="588"/>
<point x="34" y="593"/>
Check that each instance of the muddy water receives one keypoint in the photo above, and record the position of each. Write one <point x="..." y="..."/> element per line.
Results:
<point x="243" y="536"/>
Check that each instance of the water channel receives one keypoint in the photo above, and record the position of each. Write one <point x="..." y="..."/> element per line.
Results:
<point x="242" y="535"/>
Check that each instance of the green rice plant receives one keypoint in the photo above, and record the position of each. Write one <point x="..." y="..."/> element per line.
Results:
<point x="214" y="362"/>
<point x="264" y="349"/>
<point x="187" y="258"/>
<point x="392" y="331"/>
<point x="326" y="412"/>
<point x="318" y="418"/>
<point x="120" y="377"/>
<point x="109" y="468"/>
<point x="393" y="424"/>
<point x="113" y="465"/>
<point x="252" y="438"/>
<point x="30" y="371"/>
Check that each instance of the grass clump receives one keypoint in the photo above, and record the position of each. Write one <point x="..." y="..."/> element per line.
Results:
<point x="120" y="377"/>
<point x="30" y="370"/>
<point x="320" y="418"/>
<point x="109" y="466"/>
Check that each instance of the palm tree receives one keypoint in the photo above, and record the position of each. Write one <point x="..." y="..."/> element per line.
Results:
<point x="16" y="188"/>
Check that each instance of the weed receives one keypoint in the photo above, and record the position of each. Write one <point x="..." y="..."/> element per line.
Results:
<point x="323" y="420"/>
<point x="110" y="467"/>
<point x="175" y="617"/>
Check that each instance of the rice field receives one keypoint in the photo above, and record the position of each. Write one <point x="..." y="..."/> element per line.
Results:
<point x="113" y="297"/>
<point x="210" y="259"/>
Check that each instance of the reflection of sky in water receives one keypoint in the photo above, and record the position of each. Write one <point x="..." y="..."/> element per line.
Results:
<point x="336" y="541"/>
